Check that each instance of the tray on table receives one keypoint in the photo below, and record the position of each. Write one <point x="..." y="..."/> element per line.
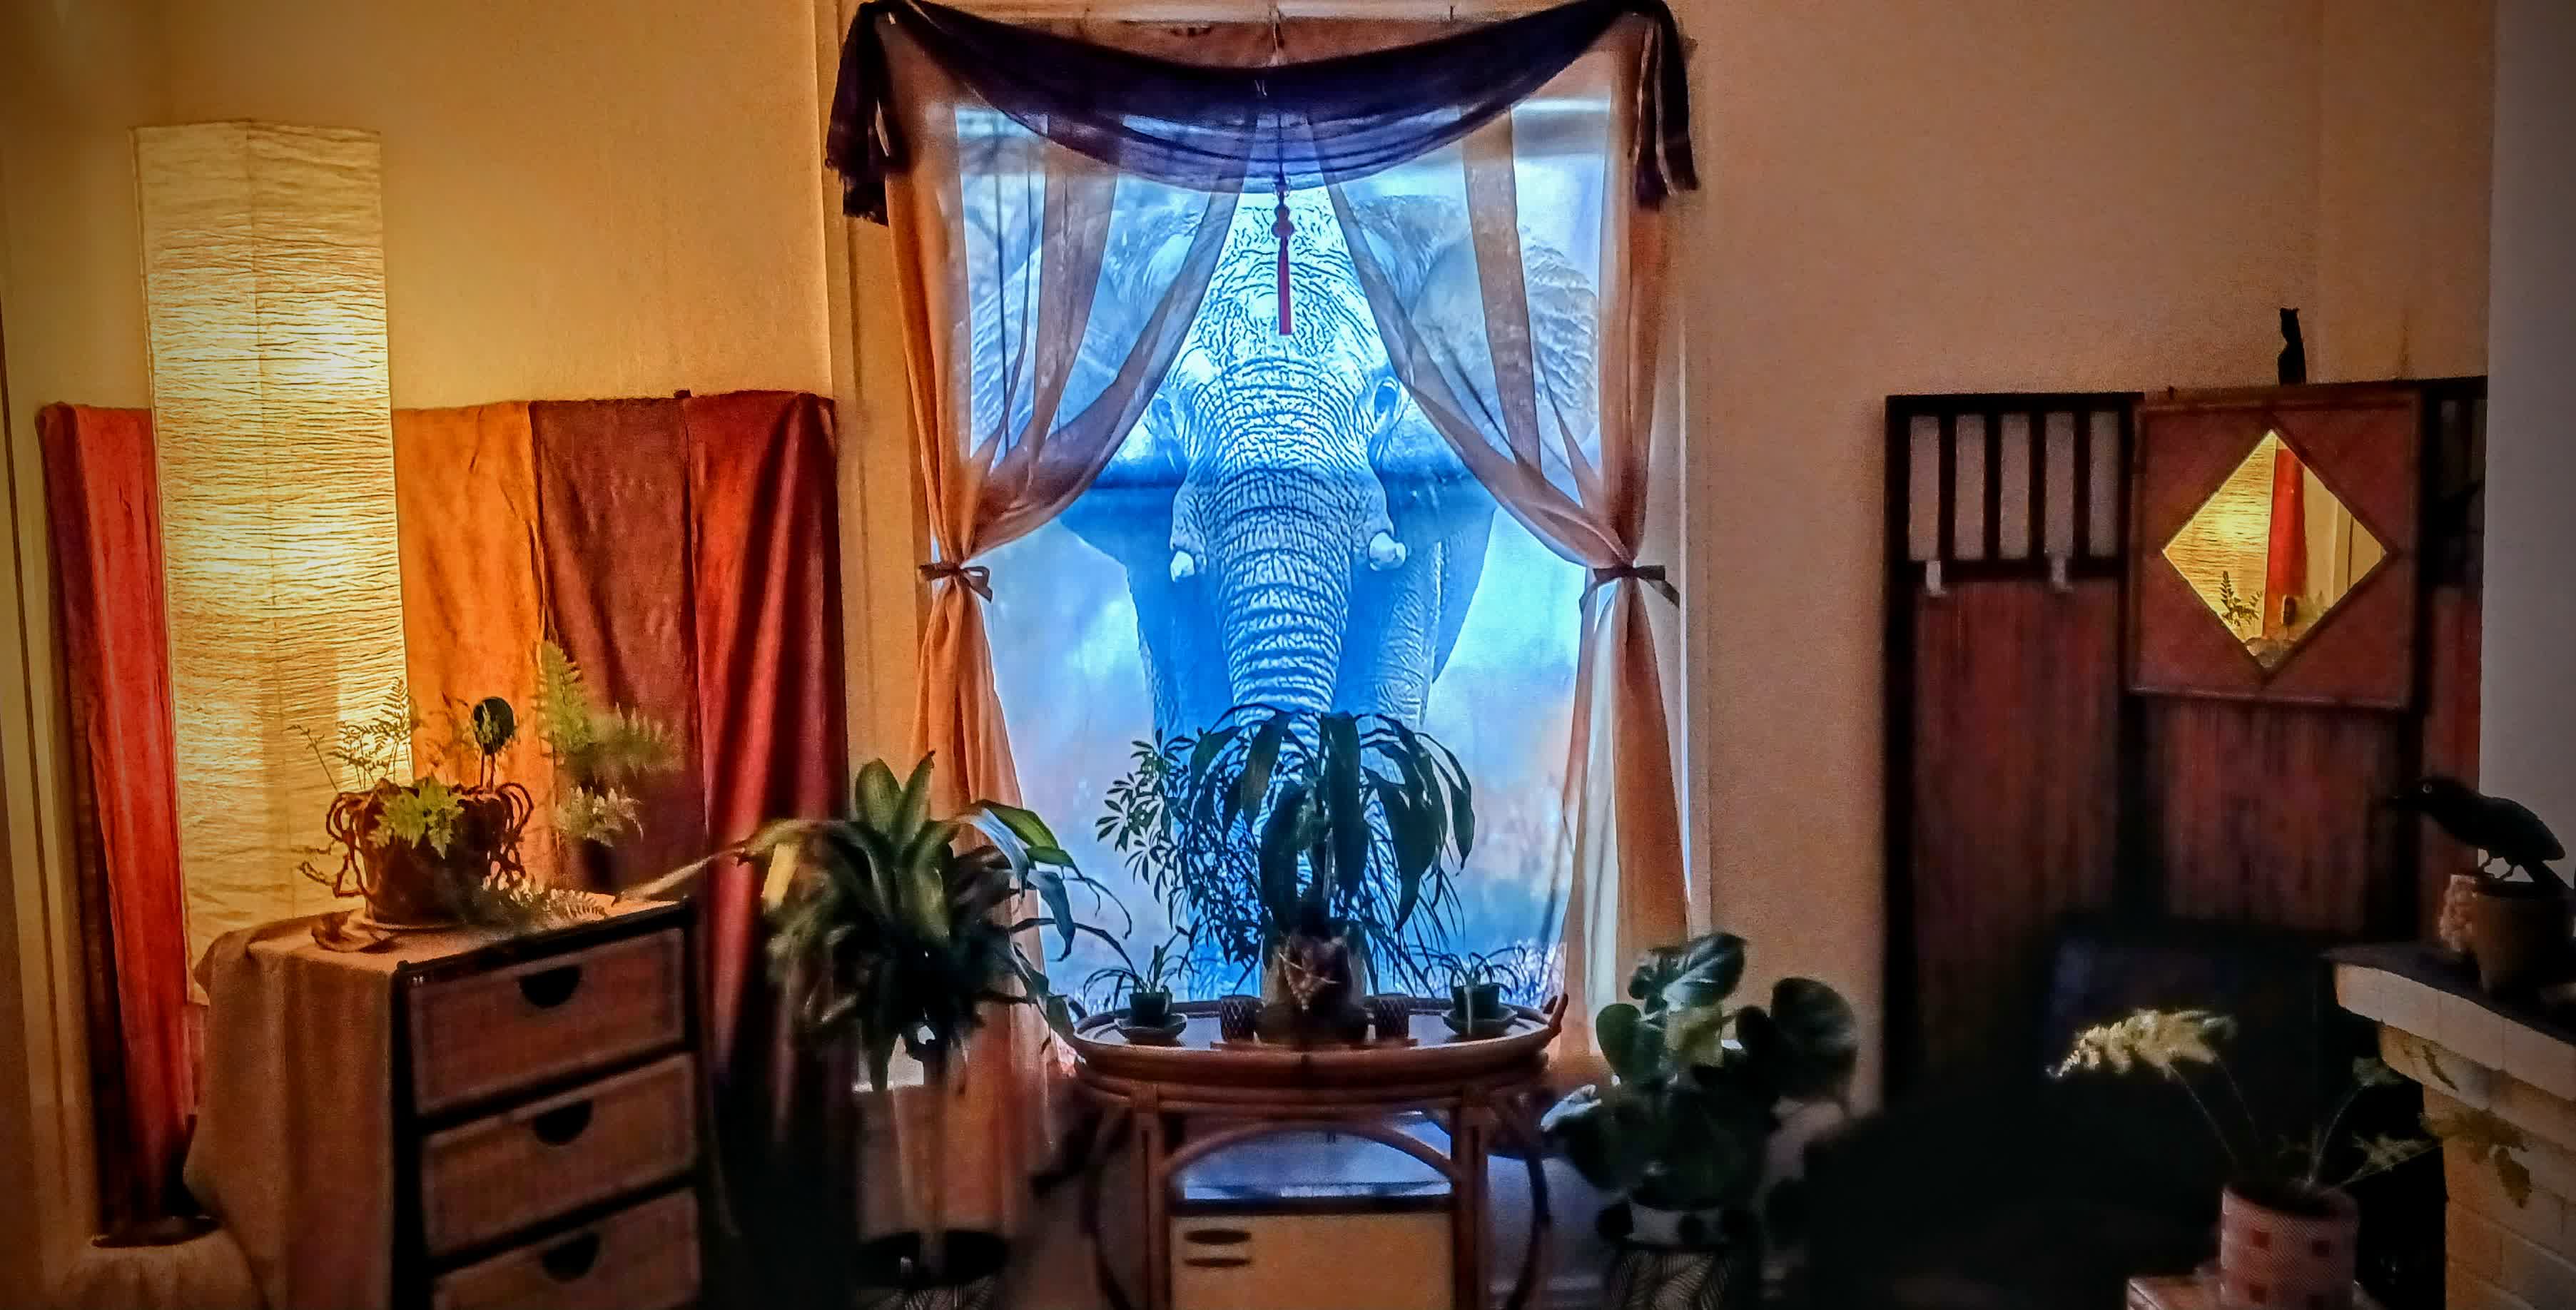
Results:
<point x="1202" y="1055"/>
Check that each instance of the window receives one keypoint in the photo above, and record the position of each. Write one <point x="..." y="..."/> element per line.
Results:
<point x="1294" y="532"/>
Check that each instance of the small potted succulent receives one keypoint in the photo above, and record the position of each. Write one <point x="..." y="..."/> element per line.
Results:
<point x="1681" y="1133"/>
<point x="1475" y="992"/>
<point x="2287" y="1221"/>
<point x="1148" y="990"/>
<point x="2516" y="927"/>
<point x="887" y="930"/>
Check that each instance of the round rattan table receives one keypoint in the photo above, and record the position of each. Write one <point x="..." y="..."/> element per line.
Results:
<point x="1479" y="1090"/>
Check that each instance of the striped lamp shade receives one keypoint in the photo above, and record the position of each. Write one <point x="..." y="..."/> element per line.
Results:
<point x="264" y="274"/>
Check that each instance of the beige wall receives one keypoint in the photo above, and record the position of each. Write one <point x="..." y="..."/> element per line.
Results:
<point x="2529" y="750"/>
<point x="72" y="78"/>
<point x="603" y="198"/>
<point x="2408" y="115"/>
<point x="2002" y="195"/>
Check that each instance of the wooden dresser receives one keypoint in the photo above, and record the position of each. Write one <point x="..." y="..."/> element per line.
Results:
<point x="548" y="1121"/>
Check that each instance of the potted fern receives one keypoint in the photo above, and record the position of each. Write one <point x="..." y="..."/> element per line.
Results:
<point x="887" y="931"/>
<point x="431" y="851"/>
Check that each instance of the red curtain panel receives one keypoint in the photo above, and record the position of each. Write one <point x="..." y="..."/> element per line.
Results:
<point x="103" y="508"/>
<point x="765" y="576"/>
<point x="613" y="544"/>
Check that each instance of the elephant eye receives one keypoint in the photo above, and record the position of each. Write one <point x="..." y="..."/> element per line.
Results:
<point x="1386" y="401"/>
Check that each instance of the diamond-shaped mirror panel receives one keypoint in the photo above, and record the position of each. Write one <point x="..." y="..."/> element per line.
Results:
<point x="2273" y="551"/>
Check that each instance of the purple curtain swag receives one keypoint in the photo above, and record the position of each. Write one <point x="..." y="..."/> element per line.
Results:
<point x="1293" y="125"/>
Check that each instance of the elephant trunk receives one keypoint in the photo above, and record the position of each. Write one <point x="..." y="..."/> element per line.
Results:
<point x="1285" y="507"/>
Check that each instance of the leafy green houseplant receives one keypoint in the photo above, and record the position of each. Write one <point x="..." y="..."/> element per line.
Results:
<point x="1147" y="987"/>
<point x="1314" y="847"/>
<point x="435" y="850"/>
<point x="1475" y="988"/>
<point x="887" y="932"/>
<point x="1679" y="1135"/>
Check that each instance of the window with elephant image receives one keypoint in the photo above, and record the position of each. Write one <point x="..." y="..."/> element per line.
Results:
<point x="1284" y="525"/>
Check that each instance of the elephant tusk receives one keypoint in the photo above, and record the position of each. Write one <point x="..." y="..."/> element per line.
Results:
<point x="1385" y="552"/>
<point x="1184" y="566"/>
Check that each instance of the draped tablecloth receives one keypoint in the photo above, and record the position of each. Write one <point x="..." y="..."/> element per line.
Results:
<point x="294" y="1149"/>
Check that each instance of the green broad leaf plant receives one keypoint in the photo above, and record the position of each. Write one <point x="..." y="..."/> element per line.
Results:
<point x="889" y="930"/>
<point x="1698" y="1084"/>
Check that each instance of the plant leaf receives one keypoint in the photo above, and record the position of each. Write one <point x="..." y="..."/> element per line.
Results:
<point x="1807" y="1045"/>
<point x="1278" y="855"/>
<point x="1610" y="1138"/>
<point x="1633" y="1046"/>
<point x="1346" y="811"/>
<point x="1258" y="764"/>
<point x="1698" y="972"/>
<point x="914" y="805"/>
<point x="1209" y="746"/>
<point x="874" y="797"/>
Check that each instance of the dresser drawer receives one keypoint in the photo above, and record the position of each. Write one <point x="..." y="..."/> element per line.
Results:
<point x="493" y="1176"/>
<point x="645" y="1258"/>
<point x="1395" y="1261"/>
<point x="488" y="1033"/>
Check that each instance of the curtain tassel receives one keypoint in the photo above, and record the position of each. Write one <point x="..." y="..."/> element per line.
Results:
<point x="1283" y="227"/>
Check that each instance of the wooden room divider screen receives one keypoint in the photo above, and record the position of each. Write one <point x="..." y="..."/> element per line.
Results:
<point x="2026" y="782"/>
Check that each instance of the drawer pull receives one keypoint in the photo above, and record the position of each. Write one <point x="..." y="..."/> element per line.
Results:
<point x="571" y="1258"/>
<point x="548" y="988"/>
<point x="560" y="1125"/>
<point x="1217" y="1261"/>
<point x="1217" y="1236"/>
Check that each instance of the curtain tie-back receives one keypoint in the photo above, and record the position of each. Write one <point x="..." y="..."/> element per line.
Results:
<point x="1650" y="574"/>
<point x="976" y="577"/>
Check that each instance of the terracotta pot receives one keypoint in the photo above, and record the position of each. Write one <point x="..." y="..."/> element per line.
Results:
<point x="2519" y="934"/>
<point x="404" y="888"/>
<point x="409" y="886"/>
<point x="2284" y="1249"/>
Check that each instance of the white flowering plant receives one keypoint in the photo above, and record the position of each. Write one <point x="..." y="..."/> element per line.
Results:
<point x="2169" y="1043"/>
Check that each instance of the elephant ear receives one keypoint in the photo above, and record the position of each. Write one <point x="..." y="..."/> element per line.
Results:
<point x="1426" y="250"/>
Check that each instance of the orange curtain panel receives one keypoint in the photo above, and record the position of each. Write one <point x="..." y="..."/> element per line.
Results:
<point x="465" y="489"/>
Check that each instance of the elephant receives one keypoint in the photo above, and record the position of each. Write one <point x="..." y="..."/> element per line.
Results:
<point x="1293" y="529"/>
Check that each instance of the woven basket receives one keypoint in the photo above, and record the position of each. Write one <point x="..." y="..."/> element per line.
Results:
<point x="887" y="1281"/>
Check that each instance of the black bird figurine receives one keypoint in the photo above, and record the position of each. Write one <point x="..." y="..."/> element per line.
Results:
<point x="2497" y="828"/>
<point x="2294" y="351"/>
